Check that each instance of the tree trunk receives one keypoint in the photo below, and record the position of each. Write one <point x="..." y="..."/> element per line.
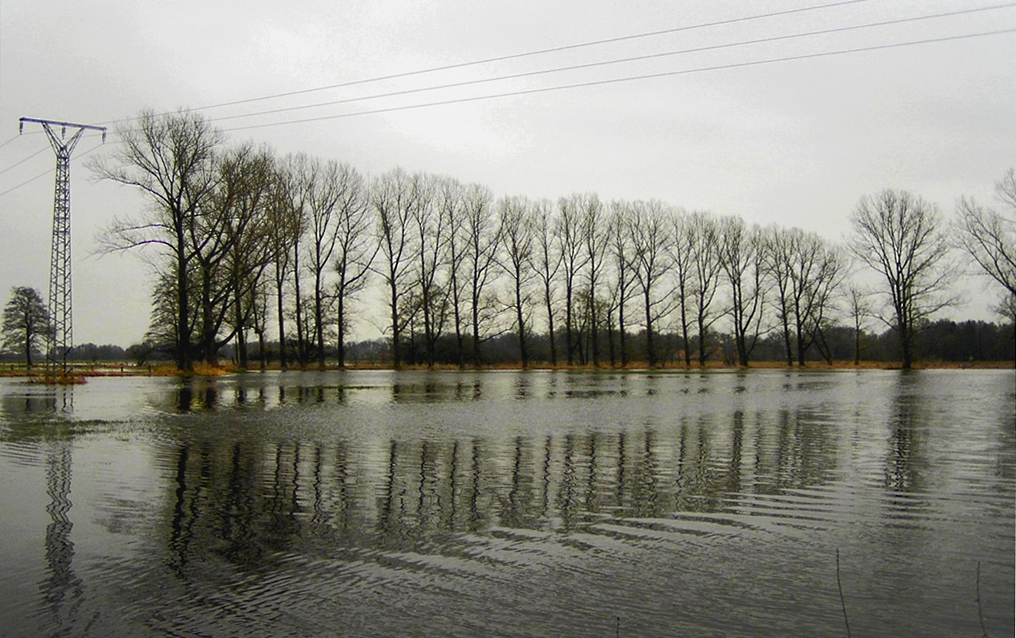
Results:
<point x="906" y="338"/>
<point x="650" y="346"/>
<point x="621" y="333"/>
<point x="301" y="346"/>
<point x="684" y="332"/>
<point x="523" y="350"/>
<point x="569" y="336"/>
<point x="801" y="348"/>
<point x="241" y="336"/>
<point x="282" y="321"/>
<point x="261" y="350"/>
<point x="476" y="332"/>
<point x="701" y="341"/>
<point x="786" y="340"/>
<point x="394" y="308"/>
<point x="319" y="321"/>
<point x="550" y="326"/>
<point x="183" y="358"/>
<point x="459" y="337"/>
<point x="342" y="329"/>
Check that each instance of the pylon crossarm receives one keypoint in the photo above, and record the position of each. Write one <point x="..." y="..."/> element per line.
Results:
<point x="62" y="125"/>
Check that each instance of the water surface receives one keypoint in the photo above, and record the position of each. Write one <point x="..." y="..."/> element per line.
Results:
<point x="510" y="504"/>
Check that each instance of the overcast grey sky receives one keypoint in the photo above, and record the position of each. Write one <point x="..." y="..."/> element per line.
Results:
<point x="793" y="142"/>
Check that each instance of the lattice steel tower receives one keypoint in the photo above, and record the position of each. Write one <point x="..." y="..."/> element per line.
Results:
<point x="62" y="338"/>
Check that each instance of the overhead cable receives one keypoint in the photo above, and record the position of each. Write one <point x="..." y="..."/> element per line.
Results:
<point x="588" y="65"/>
<point x="525" y="54"/>
<point x="632" y="78"/>
<point x="46" y="172"/>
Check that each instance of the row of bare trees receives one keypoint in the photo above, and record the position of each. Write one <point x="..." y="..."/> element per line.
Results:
<point x="239" y="227"/>
<point x="454" y="258"/>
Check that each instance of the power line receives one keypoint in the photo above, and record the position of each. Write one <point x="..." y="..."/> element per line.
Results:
<point x="22" y="134"/>
<point x="601" y="63"/>
<point x="46" y="172"/>
<point x="516" y="56"/>
<point x="633" y="78"/>
<point x="16" y="164"/>
<point x="597" y="82"/>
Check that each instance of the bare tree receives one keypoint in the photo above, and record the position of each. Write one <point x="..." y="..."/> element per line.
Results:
<point x="162" y="321"/>
<point x="451" y="204"/>
<point x="547" y="262"/>
<point x="569" y="233"/>
<point x="431" y="240"/>
<point x="900" y="236"/>
<point x="779" y="250"/>
<point x="170" y="159"/>
<point x="325" y="184"/>
<point x="595" y="239"/>
<point x="516" y="233"/>
<point x="246" y="183"/>
<point x="208" y="244"/>
<point x="742" y="257"/>
<point x="284" y="230"/>
<point x="25" y="322"/>
<point x="806" y="271"/>
<point x="989" y="235"/>
<point x="821" y="269"/>
<point x="259" y="319"/>
<point x="297" y="176"/>
<point x="393" y="198"/>
<point x="705" y="279"/>
<point x="355" y="250"/>
<point x="651" y="259"/>
<point x="859" y="308"/>
<point x="622" y="252"/>
<point x="482" y="241"/>
<point x="228" y="252"/>
<point x="681" y="253"/>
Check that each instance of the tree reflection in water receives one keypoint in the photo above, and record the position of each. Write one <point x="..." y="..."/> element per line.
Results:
<point x="448" y="487"/>
<point x="252" y="500"/>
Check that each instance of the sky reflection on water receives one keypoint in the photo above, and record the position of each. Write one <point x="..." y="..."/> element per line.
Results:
<point x="538" y="503"/>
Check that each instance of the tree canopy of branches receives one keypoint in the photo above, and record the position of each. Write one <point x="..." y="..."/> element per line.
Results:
<point x="516" y="233"/>
<point x="26" y="321"/>
<point x="900" y="236"/>
<point x="742" y="258"/>
<point x="650" y="237"/>
<point x="806" y="272"/>
<point x="394" y="199"/>
<point x="231" y="228"/>
<point x="988" y="235"/>
<point x="170" y="158"/>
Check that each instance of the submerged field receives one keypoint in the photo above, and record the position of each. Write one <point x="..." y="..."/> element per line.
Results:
<point x="511" y="503"/>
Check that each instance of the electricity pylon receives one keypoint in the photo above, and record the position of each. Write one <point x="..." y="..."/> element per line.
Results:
<point x="61" y="338"/>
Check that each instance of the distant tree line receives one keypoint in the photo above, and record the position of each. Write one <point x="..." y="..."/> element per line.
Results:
<point x="270" y="256"/>
<point x="940" y="341"/>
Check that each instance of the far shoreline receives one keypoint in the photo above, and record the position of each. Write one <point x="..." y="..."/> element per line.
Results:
<point x="78" y="372"/>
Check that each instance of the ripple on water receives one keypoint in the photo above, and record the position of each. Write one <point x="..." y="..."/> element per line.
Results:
<point x="515" y="505"/>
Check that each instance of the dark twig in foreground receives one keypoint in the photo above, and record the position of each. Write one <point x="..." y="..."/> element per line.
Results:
<point x="839" y="585"/>
<point x="980" y="613"/>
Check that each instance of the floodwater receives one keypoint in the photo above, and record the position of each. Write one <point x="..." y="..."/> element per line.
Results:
<point x="510" y="504"/>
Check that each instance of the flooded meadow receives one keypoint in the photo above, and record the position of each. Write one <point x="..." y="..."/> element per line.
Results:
<point x="533" y="503"/>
